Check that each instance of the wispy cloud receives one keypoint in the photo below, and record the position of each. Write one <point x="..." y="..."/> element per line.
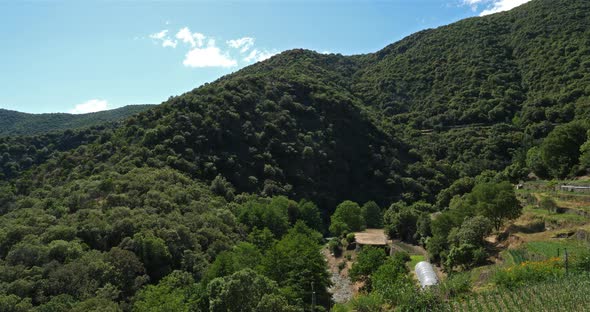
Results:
<point x="91" y="106"/>
<point x="194" y="39"/>
<point x="210" y="56"/>
<point x="169" y="43"/>
<point x="244" y="44"/>
<point x="162" y="38"/>
<point x="159" y="35"/>
<point x="493" y="6"/>
<point x="503" y="5"/>
<point x="203" y="50"/>
<point x="257" y="56"/>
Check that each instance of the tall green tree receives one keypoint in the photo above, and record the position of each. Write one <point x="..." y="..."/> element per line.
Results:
<point x="175" y="292"/>
<point x="245" y="291"/>
<point x="348" y="216"/>
<point x="296" y="262"/>
<point x="372" y="215"/>
<point x="368" y="260"/>
<point x="560" y="151"/>
<point x="496" y="201"/>
<point x="242" y="256"/>
<point x="401" y="222"/>
<point x="585" y="152"/>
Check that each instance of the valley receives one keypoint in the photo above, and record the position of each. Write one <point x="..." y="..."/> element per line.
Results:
<point x="256" y="191"/>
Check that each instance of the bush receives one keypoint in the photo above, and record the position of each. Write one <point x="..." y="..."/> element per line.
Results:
<point x="455" y="285"/>
<point x="335" y="247"/>
<point x="341" y="266"/>
<point x="369" y="303"/>
<point x="368" y="261"/>
<point x="401" y="257"/>
<point x="528" y="272"/>
<point x="339" y="307"/>
<point x="350" y="238"/>
<point x="465" y="256"/>
<point x="581" y="262"/>
<point x="548" y="204"/>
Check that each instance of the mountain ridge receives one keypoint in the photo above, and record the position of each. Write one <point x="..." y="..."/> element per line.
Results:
<point x="18" y="123"/>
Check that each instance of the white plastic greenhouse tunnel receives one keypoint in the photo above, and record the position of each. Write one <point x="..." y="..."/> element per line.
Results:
<point x="425" y="273"/>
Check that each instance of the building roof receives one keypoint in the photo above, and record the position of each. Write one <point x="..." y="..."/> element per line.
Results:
<point x="375" y="237"/>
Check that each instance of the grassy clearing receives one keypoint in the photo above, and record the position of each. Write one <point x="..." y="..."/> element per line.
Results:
<point x="553" y="217"/>
<point x="540" y="250"/>
<point x="513" y="256"/>
<point x="414" y="259"/>
<point x="550" y="248"/>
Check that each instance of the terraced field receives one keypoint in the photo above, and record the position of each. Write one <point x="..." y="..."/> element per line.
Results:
<point x="566" y="294"/>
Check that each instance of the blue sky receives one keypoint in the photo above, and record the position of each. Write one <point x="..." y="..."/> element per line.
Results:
<point x="81" y="56"/>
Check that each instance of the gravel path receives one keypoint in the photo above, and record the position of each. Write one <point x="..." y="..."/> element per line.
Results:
<point x="342" y="289"/>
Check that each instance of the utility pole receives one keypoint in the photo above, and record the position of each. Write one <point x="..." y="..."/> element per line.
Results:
<point x="312" y="298"/>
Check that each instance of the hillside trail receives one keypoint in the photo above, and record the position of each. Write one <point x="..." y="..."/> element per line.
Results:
<point x="342" y="289"/>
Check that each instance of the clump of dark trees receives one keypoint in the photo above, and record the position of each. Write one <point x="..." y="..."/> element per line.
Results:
<point x="155" y="240"/>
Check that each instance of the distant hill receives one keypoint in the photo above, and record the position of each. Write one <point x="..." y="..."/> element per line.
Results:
<point x="17" y="123"/>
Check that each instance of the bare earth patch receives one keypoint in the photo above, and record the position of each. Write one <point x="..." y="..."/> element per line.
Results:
<point x="342" y="289"/>
<point x="374" y="237"/>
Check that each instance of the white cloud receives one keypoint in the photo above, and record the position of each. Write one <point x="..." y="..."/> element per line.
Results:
<point x="199" y="38"/>
<point x="494" y="6"/>
<point x="503" y="5"/>
<point x="162" y="37"/>
<point x="202" y="50"/>
<point x="185" y="35"/>
<point x="169" y="43"/>
<point x="257" y="55"/>
<point x="210" y="56"/>
<point x="474" y="2"/>
<point x="91" y="106"/>
<point x="244" y="44"/>
<point x="194" y="39"/>
<point x="159" y="35"/>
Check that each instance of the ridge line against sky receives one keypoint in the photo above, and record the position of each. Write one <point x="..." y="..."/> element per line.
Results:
<point x="80" y="57"/>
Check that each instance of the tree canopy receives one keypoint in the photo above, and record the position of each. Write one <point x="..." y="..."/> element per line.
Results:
<point x="235" y="182"/>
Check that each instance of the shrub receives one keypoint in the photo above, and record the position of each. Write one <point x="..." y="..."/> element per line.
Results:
<point x="455" y="285"/>
<point x="465" y="256"/>
<point x="350" y="238"/>
<point x="581" y="261"/>
<point x="339" y="307"/>
<point x="335" y="247"/>
<point x="528" y="272"/>
<point x="368" y="261"/>
<point x="548" y="204"/>
<point x="341" y="266"/>
<point x="369" y="303"/>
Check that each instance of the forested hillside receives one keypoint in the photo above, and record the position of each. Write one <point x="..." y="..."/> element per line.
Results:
<point x="16" y="123"/>
<point x="219" y="197"/>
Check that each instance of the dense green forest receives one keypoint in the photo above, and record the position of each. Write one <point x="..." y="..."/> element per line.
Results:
<point x="16" y="123"/>
<point x="219" y="199"/>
